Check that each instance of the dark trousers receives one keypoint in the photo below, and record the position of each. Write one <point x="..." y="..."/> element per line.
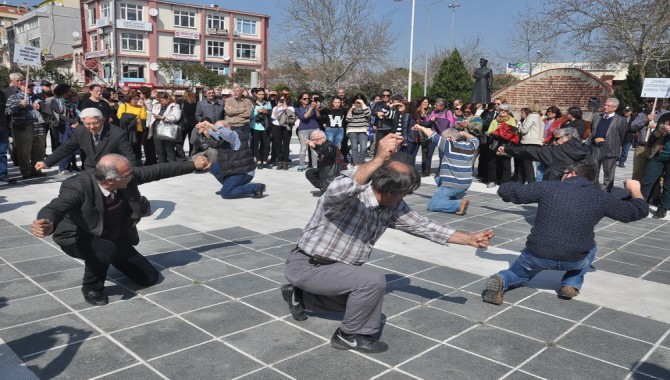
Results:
<point x="524" y="170"/>
<point x="149" y="149"/>
<point x="260" y="145"/>
<point x="313" y="177"/>
<point x="380" y="135"/>
<point x="427" y="150"/>
<point x="483" y="164"/>
<point x="608" y="165"/>
<point x="281" y="142"/>
<point x="22" y="134"/>
<point x="652" y="172"/>
<point x="500" y="168"/>
<point x="412" y="148"/>
<point x="99" y="253"/>
<point x="165" y="151"/>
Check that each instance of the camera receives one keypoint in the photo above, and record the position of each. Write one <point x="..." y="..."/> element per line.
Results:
<point x="316" y="99"/>
<point x="359" y="106"/>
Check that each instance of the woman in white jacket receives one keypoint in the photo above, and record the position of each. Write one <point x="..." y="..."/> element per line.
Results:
<point x="532" y="133"/>
<point x="167" y="111"/>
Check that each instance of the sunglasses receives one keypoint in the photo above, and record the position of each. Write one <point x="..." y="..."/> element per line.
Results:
<point x="304" y="98"/>
<point x="386" y="95"/>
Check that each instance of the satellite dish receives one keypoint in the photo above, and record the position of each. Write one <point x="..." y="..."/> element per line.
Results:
<point x="153" y="66"/>
<point x="76" y="35"/>
<point x="225" y="57"/>
<point x="153" y="12"/>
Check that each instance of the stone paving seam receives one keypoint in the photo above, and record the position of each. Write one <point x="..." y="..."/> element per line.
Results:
<point x="60" y="346"/>
<point x="379" y="375"/>
<point x="553" y="315"/>
<point x="647" y="355"/>
<point x="478" y="355"/>
<point x="592" y="357"/>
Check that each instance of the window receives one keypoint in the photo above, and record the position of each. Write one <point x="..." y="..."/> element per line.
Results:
<point x="221" y="70"/>
<point x="131" y="12"/>
<point x="91" y="14"/>
<point x="215" y="49"/>
<point x="184" y="46"/>
<point x="105" y="10"/>
<point x="183" y="18"/>
<point x="132" y="41"/>
<point x="245" y="51"/>
<point x="133" y="71"/>
<point x="107" y="41"/>
<point x="246" y="26"/>
<point x="35" y="42"/>
<point x="94" y="42"/>
<point x="216" y="22"/>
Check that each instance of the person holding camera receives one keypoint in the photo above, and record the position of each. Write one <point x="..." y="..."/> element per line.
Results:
<point x="358" y="120"/>
<point x="260" y="128"/>
<point x="308" y="113"/>
<point x="283" y="119"/>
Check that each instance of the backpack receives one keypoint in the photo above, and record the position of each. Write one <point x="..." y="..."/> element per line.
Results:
<point x="50" y="118"/>
<point x="287" y="118"/>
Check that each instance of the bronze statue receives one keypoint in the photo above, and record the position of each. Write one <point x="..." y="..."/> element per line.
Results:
<point x="481" y="93"/>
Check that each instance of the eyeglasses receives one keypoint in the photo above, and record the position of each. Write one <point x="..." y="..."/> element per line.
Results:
<point x="304" y="98"/>
<point x="457" y="109"/>
<point x="129" y="176"/>
<point x="386" y="95"/>
<point x="568" y="172"/>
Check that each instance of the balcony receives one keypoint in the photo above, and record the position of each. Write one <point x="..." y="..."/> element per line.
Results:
<point x="216" y="31"/>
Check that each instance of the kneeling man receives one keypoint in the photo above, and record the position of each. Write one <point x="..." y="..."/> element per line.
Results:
<point x="94" y="219"/>
<point x="326" y="269"/>
<point x="563" y="237"/>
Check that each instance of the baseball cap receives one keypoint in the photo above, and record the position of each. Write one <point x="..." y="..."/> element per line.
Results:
<point x="45" y="83"/>
<point x="627" y="108"/>
<point x="226" y="91"/>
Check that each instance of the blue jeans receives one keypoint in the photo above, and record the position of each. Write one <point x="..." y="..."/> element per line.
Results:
<point x="63" y="136"/>
<point x="528" y="265"/>
<point x="4" y="146"/>
<point x="234" y="185"/>
<point x="445" y="199"/>
<point x="335" y="135"/>
<point x="625" y="147"/>
<point x="539" y="171"/>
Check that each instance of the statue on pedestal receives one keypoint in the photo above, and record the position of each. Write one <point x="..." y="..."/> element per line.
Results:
<point x="481" y="93"/>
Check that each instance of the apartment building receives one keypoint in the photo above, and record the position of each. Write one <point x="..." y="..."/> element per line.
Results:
<point x="124" y="40"/>
<point x="8" y="15"/>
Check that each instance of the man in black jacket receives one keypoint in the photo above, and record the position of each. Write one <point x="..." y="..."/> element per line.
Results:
<point x="608" y="128"/>
<point x="566" y="150"/>
<point x="94" y="219"/>
<point x="563" y="237"/>
<point x="327" y="167"/>
<point x="95" y="140"/>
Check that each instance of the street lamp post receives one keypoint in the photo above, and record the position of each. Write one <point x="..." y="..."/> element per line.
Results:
<point x="411" y="47"/>
<point x="453" y="7"/>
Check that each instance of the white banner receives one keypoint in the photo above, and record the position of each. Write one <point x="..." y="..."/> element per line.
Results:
<point x="27" y="55"/>
<point x="656" y="88"/>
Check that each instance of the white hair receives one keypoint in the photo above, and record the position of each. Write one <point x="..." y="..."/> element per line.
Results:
<point x="15" y="76"/>
<point x="91" y="112"/>
<point x="614" y="101"/>
<point x="317" y="133"/>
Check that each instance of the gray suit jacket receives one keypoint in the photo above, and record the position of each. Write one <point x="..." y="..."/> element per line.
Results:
<point x="112" y="140"/>
<point x="615" y="133"/>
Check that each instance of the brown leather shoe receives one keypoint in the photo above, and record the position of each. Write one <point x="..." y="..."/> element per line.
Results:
<point x="568" y="292"/>
<point x="462" y="207"/>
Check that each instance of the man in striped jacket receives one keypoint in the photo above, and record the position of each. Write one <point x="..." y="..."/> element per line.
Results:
<point x="457" y="153"/>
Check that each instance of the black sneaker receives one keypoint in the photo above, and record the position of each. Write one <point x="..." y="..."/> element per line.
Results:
<point x="293" y="296"/>
<point x="659" y="214"/>
<point x="258" y="193"/>
<point x="94" y="297"/>
<point x="494" y="290"/>
<point x="357" y="342"/>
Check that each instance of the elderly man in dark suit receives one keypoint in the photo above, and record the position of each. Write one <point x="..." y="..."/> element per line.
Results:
<point x="95" y="140"/>
<point x="94" y="219"/>
<point x="610" y="128"/>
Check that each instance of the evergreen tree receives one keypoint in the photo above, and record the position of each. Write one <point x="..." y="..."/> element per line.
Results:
<point x="629" y="91"/>
<point x="453" y="80"/>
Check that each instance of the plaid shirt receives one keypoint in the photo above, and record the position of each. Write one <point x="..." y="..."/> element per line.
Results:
<point x="348" y="221"/>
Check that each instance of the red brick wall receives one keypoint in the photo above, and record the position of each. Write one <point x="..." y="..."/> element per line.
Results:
<point x="556" y="87"/>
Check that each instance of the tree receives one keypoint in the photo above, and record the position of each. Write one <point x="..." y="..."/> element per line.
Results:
<point x="530" y="42"/>
<point x="195" y="73"/>
<point x="453" y="80"/>
<point x="629" y="91"/>
<point x="613" y="31"/>
<point x="334" y="38"/>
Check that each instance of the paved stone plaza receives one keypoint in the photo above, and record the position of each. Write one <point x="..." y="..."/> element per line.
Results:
<point x="217" y="312"/>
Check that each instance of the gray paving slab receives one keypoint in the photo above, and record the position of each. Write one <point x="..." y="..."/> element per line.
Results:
<point x="194" y="240"/>
<point x="530" y="323"/>
<point x="662" y="277"/>
<point x="414" y="289"/>
<point x="227" y="318"/>
<point x="455" y="364"/>
<point x="139" y="371"/>
<point x="447" y="276"/>
<point x="240" y="285"/>
<point x="170" y="231"/>
<point x="122" y="315"/>
<point x="265" y="374"/>
<point x="430" y="322"/>
<point x="47" y="265"/>
<point x="546" y="302"/>
<point x="72" y="297"/>
<point x="187" y="298"/>
<point x="60" y="280"/>
<point x="30" y="309"/>
<point x="212" y="360"/>
<point x="339" y="364"/>
<point x="176" y="258"/>
<point x="629" y="325"/>
<point x="202" y="271"/>
<point x="412" y="345"/>
<point x="558" y="363"/>
<point x="656" y="365"/>
<point x="74" y="360"/>
<point x="18" y="288"/>
<point x="160" y="337"/>
<point x="31" y="252"/>
<point x="467" y="305"/>
<point x="252" y="260"/>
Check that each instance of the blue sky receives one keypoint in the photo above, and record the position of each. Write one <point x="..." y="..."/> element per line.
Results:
<point x="491" y="20"/>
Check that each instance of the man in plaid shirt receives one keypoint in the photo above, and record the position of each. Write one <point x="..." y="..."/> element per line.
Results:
<point x="326" y="271"/>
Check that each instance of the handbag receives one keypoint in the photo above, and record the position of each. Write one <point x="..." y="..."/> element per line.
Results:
<point x="167" y="131"/>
